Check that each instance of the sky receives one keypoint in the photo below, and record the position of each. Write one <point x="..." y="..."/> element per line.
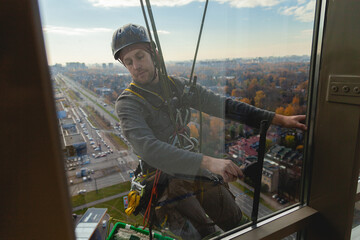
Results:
<point x="81" y="30"/>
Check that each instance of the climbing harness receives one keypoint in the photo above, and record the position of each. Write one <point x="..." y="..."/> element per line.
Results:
<point x="181" y="137"/>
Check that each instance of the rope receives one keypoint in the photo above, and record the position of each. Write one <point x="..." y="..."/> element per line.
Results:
<point x="153" y="193"/>
<point x="192" y="71"/>
<point x="198" y="42"/>
<point x="159" y="59"/>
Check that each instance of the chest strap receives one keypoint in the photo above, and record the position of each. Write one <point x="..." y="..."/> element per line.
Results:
<point x="155" y="99"/>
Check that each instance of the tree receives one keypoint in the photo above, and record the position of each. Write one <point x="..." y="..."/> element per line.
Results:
<point x="289" y="110"/>
<point x="216" y="125"/>
<point x="241" y="130"/>
<point x="280" y="110"/>
<point x="194" y="131"/>
<point x="245" y="100"/>
<point x="260" y="95"/>
<point x="232" y="131"/>
<point x="290" y="141"/>
<point x="295" y="100"/>
<point x="264" y="188"/>
<point x="236" y="92"/>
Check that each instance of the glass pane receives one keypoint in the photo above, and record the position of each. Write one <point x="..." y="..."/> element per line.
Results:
<point x="291" y="237"/>
<point x="255" y="53"/>
<point x="355" y="233"/>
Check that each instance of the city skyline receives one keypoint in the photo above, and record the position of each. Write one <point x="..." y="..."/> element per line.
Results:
<point x="81" y="31"/>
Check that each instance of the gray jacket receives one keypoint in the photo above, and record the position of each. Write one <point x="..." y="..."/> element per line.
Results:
<point x="148" y="129"/>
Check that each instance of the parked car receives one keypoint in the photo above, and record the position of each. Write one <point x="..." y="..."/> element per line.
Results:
<point x="274" y="196"/>
<point x="82" y="191"/>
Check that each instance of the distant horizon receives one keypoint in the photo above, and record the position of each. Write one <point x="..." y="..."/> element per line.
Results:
<point x="191" y="60"/>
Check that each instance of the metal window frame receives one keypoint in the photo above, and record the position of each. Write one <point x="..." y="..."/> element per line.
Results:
<point x="325" y="211"/>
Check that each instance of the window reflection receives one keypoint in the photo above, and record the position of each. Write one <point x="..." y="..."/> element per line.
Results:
<point x="99" y="161"/>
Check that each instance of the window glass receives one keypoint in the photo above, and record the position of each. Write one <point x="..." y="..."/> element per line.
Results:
<point x="355" y="233"/>
<point x="291" y="237"/>
<point x="256" y="53"/>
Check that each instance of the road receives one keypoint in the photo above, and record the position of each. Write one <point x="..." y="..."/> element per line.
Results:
<point x="86" y="101"/>
<point x="104" y="171"/>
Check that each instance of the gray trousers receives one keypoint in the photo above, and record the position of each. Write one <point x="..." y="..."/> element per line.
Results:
<point x="199" y="205"/>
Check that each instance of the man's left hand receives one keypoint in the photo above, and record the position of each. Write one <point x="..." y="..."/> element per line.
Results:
<point x="295" y="121"/>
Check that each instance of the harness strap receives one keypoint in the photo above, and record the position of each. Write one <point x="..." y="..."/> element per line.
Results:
<point x="150" y="205"/>
<point x="156" y="100"/>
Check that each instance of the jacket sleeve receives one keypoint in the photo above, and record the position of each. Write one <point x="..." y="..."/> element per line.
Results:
<point x="219" y="106"/>
<point x="245" y="113"/>
<point x="153" y="151"/>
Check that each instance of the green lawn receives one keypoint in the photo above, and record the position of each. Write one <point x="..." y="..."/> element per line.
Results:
<point x="112" y="115"/>
<point x="119" y="141"/>
<point x="102" y="193"/>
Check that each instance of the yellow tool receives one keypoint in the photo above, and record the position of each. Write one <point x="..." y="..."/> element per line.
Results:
<point x="134" y="200"/>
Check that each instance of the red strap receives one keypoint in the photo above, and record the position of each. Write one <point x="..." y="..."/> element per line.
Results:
<point x="153" y="192"/>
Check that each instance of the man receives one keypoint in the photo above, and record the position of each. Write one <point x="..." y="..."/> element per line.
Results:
<point x="147" y="122"/>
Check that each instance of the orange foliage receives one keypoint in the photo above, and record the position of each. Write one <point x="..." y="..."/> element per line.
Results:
<point x="295" y="100"/>
<point x="245" y="100"/>
<point x="289" y="110"/>
<point x="235" y="92"/>
<point x="260" y="95"/>
<point x="216" y="125"/>
<point x="194" y="131"/>
<point x="280" y="110"/>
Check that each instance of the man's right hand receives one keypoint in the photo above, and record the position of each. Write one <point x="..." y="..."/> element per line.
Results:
<point x="225" y="168"/>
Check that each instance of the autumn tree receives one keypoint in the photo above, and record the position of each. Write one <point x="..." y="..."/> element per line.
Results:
<point x="236" y="92"/>
<point x="245" y="100"/>
<point x="290" y="141"/>
<point x="260" y="95"/>
<point x="194" y="131"/>
<point x="289" y="110"/>
<point x="296" y="104"/>
<point x="280" y="110"/>
<point x="216" y="125"/>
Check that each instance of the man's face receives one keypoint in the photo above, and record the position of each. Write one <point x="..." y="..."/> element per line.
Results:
<point x="141" y="66"/>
